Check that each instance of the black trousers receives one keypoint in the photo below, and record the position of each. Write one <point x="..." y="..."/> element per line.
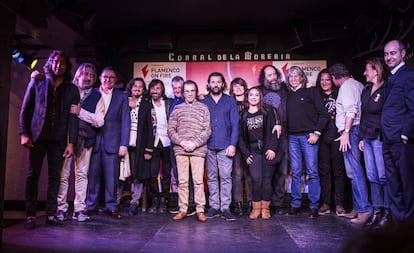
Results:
<point x="55" y="160"/>
<point x="280" y="174"/>
<point x="399" y="171"/>
<point x="160" y="162"/>
<point x="331" y="172"/>
<point x="261" y="175"/>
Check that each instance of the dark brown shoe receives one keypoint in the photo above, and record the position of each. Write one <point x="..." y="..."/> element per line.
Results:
<point x="180" y="216"/>
<point x="116" y="215"/>
<point x="314" y="213"/>
<point x="293" y="211"/>
<point x="201" y="217"/>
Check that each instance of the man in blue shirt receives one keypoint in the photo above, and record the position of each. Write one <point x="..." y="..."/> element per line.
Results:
<point x="221" y="146"/>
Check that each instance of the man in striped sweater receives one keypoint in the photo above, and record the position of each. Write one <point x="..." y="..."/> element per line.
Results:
<point x="189" y="130"/>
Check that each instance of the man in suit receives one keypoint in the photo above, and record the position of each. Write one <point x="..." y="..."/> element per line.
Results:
<point x="47" y="126"/>
<point x="397" y="126"/>
<point x="111" y="143"/>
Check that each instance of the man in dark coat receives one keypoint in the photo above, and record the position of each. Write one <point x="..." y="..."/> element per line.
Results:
<point x="47" y="126"/>
<point x="397" y="125"/>
<point x="141" y="141"/>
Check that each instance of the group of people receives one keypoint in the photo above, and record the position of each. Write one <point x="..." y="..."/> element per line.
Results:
<point x="242" y="139"/>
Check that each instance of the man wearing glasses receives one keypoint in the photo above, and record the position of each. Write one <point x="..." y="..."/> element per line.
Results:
<point x="111" y="144"/>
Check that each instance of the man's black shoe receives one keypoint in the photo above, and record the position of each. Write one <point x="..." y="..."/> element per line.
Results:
<point x="293" y="211"/>
<point x="30" y="223"/>
<point x="314" y="213"/>
<point x="238" y="209"/>
<point x="51" y="220"/>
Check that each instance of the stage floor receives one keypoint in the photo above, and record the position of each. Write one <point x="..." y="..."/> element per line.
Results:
<point x="159" y="233"/>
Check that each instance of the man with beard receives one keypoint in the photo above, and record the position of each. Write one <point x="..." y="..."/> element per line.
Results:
<point x="274" y="95"/>
<point x="160" y="112"/>
<point x="47" y="127"/>
<point x="221" y="147"/>
<point x="91" y="115"/>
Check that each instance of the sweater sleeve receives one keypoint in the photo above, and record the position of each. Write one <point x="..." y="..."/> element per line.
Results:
<point x="172" y="128"/>
<point x="202" y="138"/>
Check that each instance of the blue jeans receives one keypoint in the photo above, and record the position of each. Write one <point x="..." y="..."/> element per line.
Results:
<point x="219" y="165"/>
<point x="374" y="166"/>
<point x="300" y="149"/>
<point x="356" y="174"/>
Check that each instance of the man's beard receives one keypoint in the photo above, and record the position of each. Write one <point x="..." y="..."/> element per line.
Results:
<point x="216" y="91"/>
<point x="272" y="86"/>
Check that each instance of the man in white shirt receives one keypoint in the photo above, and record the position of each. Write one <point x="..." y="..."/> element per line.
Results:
<point x="162" y="147"/>
<point x="91" y="114"/>
<point x="348" y="115"/>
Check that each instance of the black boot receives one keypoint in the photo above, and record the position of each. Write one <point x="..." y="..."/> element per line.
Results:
<point x="154" y="205"/>
<point x="384" y="221"/>
<point x="249" y="208"/>
<point x="238" y="209"/>
<point x="133" y="209"/>
<point x="375" y="217"/>
<point x="163" y="205"/>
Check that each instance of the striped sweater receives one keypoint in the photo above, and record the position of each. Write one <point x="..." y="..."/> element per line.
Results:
<point x="190" y="122"/>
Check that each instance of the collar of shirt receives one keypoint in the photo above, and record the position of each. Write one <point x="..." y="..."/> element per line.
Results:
<point x="394" y="70"/>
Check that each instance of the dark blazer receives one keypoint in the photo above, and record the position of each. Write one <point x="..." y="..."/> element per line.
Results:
<point x="33" y="111"/>
<point x="371" y="108"/>
<point x="115" y="132"/>
<point x="145" y="142"/>
<point x="398" y="112"/>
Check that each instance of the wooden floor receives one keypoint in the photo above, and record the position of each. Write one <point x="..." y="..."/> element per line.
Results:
<point x="159" y="233"/>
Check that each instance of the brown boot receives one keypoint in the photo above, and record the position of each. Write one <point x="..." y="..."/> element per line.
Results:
<point x="265" y="210"/>
<point x="256" y="210"/>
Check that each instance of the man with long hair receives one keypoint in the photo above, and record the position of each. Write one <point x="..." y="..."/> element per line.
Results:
<point x="47" y="127"/>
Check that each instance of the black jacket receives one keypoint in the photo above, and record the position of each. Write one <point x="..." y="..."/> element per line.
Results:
<point x="35" y="105"/>
<point x="270" y="140"/>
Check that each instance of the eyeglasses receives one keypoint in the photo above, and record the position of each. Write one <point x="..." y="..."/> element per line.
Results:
<point x="109" y="77"/>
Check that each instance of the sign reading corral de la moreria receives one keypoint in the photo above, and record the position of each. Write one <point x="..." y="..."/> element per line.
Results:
<point x="245" y="56"/>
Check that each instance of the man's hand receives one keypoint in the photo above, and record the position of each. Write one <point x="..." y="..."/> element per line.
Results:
<point x="37" y="75"/>
<point x="75" y="109"/>
<point x="147" y="157"/>
<point x="313" y="138"/>
<point x="278" y="130"/>
<point x="230" y="151"/>
<point x="122" y="151"/>
<point x="270" y="154"/>
<point x="361" y="145"/>
<point x="26" y="141"/>
<point x="190" y="146"/>
<point x="344" y="142"/>
<point x="69" y="151"/>
<point x="249" y="159"/>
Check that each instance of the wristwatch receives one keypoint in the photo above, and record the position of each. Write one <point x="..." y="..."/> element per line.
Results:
<point x="346" y="130"/>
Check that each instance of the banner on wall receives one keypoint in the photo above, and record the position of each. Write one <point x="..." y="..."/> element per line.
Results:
<point x="199" y="71"/>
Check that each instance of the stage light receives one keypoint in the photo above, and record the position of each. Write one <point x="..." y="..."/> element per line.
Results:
<point x="19" y="56"/>
<point x="33" y="64"/>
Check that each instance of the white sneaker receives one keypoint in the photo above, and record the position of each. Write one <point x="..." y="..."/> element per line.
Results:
<point x="80" y="216"/>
